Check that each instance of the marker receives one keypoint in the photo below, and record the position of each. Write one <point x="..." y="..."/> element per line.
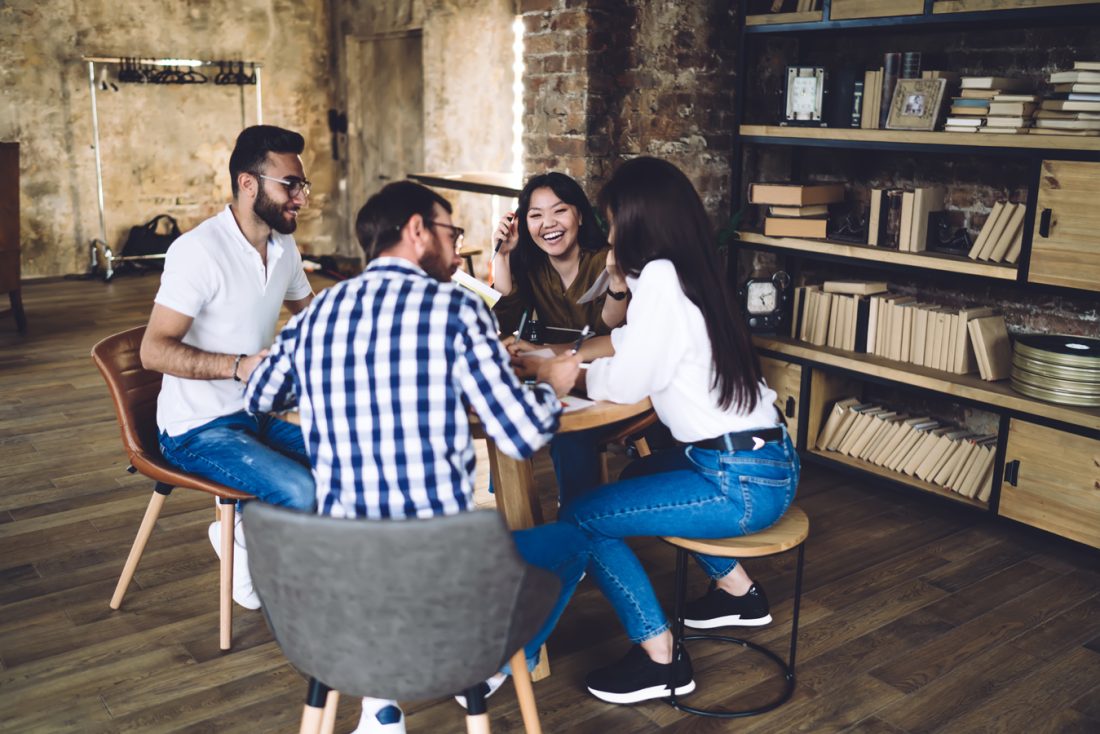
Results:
<point x="580" y="339"/>
<point x="518" y="333"/>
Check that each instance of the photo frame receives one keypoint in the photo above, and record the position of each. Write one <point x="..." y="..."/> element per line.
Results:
<point x="916" y="104"/>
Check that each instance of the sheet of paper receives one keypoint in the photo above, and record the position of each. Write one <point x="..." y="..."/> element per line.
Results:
<point x="488" y="294"/>
<point x="572" y="402"/>
<point x="598" y="288"/>
<point x="543" y="353"/>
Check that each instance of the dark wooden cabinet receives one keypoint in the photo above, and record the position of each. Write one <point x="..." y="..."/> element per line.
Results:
<point x="9" y="231"/>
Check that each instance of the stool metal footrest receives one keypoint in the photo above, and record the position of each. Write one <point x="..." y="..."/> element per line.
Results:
<point x="788" y="676"/>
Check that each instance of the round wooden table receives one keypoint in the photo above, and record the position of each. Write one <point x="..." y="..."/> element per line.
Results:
<point x="514" y="479"/>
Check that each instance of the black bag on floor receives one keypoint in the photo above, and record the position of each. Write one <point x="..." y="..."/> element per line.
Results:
<point x="146" y="240"/>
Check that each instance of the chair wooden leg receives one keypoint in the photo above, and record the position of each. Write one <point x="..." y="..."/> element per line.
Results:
<point x="314" y="710"/>
<point x="225" y="637"/>
<point x="525" y="694"/>
<point x="152" y="512"/>
<point x="328" y="720"/>
<point x="478" y="724"/>
<point x="642" y="446"/>
<point x="604" y="472"/>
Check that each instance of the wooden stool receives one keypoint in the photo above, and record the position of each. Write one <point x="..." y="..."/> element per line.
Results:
<point x="790" y="532"/>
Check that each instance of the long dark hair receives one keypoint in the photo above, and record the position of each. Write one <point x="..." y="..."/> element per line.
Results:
<point x="527" y="255"/>
<point x="657" y="215"/>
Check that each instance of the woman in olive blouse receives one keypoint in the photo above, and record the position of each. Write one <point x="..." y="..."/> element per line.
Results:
<point x="552" y="251"/>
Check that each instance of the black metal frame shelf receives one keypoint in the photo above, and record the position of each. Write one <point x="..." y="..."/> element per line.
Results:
<point x="932" y="20"/>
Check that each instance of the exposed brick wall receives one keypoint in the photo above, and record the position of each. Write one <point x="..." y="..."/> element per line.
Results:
<point x="608" y="80"/>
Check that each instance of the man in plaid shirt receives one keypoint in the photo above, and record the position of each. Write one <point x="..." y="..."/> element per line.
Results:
<point x="383" y="369"/>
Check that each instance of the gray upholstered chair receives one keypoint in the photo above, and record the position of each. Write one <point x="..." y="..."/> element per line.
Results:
<point x="402" y="609"/>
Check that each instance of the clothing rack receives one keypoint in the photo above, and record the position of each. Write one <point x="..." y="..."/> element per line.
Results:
<point x="98" y="248"/>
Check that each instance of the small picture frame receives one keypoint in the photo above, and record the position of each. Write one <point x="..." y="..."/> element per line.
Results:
<point x="916" y="104"/>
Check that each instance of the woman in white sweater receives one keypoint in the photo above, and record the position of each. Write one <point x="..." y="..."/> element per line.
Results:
<point x="685" y="346"/>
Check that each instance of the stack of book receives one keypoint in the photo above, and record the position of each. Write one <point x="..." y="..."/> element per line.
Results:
<point x="1002" y="236"/>
<point x="796" y="210"/>
<point x="937" y="452"/>
<point x="1073" y="108"/>
<point x="865" y="318"/>
<point x="912" y="230"/>
<point x="1010" y="113"/>
<point x="972" y="108"/>
<point x="834" y="314"/>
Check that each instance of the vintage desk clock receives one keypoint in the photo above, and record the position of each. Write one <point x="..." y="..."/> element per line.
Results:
<point x="764" y="301"/>
<point x="804" y="96"/>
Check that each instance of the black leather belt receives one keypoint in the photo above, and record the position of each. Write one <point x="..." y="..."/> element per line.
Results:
<point x="741" y="441"/>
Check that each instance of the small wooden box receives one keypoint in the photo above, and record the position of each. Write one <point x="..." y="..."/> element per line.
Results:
<point x="786" y="379"/>
<point x="1064" y="247"/>
<point x="1057" y="484"/>
<point x="850" y="9"/>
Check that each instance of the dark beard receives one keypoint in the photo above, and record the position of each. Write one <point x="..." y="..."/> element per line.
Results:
<point x="435" y="264"/>
<point x="272" y="214"/>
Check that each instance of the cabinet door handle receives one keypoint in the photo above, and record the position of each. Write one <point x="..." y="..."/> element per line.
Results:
<point x="1012" y="472"/>
<point x="1044" y="222"/>
<point x="790" y="407"/>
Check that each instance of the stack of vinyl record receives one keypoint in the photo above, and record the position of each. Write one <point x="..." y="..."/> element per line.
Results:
<point x="1061" y="369"/>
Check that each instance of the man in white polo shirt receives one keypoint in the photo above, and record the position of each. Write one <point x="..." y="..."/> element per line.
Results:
<point x="212" y="321"/>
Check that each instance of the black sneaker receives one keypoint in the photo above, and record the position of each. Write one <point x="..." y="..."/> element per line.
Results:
<point x="718" y="608"/>
<point x="637" y="678"/>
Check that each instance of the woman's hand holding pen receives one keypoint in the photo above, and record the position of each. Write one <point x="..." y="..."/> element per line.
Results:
<point x="505" y="240"/>
<point x="516" y="346"/>
<point x="505" y="236"/>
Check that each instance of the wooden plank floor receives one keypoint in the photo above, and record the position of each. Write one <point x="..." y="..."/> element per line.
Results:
<point x="917" y="616"/>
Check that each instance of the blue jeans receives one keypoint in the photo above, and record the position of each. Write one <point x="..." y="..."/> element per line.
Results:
<point x="562" y="549"/>
<point x="261" y="455"/>
<point x="576" y="463"/>
<point x="687" y="492"/>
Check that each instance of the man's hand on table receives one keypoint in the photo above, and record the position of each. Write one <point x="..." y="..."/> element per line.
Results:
<point x="560" y="372"/>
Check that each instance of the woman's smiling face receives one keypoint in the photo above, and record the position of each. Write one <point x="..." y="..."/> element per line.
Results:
<point x="553" y="224"/>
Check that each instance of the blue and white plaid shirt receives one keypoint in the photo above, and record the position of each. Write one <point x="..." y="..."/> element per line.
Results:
<point x="383" y="369"/>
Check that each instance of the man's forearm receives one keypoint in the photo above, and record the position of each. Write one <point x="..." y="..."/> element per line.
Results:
<point x="173" y="357"/>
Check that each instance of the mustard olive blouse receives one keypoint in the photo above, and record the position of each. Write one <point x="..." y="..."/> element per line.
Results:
<point x="553" y="305"/>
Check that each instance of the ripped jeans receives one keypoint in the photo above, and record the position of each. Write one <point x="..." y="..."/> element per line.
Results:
<point x="686" y="492"/>
<point x="261" y="455"/>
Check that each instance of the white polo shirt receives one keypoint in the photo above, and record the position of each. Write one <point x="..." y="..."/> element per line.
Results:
<point x="214" y="275"/>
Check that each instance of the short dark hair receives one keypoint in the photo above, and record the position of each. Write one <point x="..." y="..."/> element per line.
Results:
<point x="378" y="224"/>
<point x="658" y="215"/>
<point x="253" y="145"/>
<point x="527" y="256"/>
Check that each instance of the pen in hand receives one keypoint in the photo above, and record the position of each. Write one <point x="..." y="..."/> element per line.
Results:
<point x="496" y="247"/>
<point x="518" y="333"/>
<point x="580" y="339"/>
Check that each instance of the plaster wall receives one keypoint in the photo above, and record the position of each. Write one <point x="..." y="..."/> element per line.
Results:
<point x="467" y="57"/>
<point x="165" y="148"/>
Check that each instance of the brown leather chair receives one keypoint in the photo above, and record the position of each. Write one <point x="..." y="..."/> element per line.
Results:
<point x="135" y="390"/>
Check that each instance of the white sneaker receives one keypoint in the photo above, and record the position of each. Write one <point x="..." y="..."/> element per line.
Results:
<point x="243" y="591"/>
<point x="380" y="716"/>
<point x="491" y="686"/>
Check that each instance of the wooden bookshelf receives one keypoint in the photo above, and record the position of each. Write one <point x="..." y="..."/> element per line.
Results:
<point x="976" y="6"/>
<point x="858" y="138"/>
<point x="836" y="457"/>
<point x="997" y="395"/>
<point x="928" y="261"/>
<point x="808" y="16"/>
